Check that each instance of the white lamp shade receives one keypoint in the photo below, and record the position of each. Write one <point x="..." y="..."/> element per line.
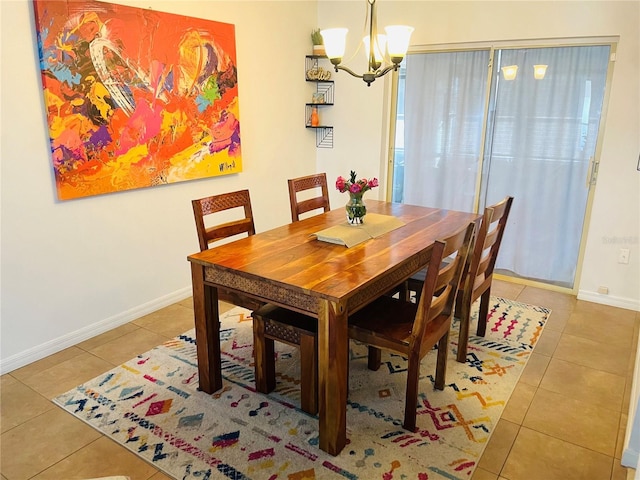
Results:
<point x="539" y="71"/>
<point x="335" y="40"/>
<point x="509" y="72"/>
<point x="398" y="37"/>
<point x="378" y="47"/>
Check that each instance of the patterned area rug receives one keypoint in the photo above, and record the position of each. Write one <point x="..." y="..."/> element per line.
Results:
<point x="151" y="405"/>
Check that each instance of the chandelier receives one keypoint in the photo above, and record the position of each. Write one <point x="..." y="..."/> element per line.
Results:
<point x="393" y="46"/>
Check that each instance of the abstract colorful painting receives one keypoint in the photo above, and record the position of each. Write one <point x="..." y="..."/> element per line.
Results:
<point x="135" y="97"/>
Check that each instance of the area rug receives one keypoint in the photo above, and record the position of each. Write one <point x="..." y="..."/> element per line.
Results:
<point x="151" y="405"/>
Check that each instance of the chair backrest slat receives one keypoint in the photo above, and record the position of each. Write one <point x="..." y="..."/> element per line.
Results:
<point x="217" y="203"/>
<point x="492" y="237"/>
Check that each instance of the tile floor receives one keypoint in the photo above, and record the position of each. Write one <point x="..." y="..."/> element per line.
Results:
<point x="565" y="420"/>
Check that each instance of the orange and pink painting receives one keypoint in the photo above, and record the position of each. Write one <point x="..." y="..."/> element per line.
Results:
<point x="136" y="98"/>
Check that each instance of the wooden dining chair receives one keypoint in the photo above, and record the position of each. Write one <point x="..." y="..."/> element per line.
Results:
<point x="209" y="232"/>
<point x="478" y="275"/>
<point x="302" y="184"/>
<point x="411" y="329"/>
<point x="276" y="323"/>
<point x="477" y="280"/>
<point x="271" y="323"/>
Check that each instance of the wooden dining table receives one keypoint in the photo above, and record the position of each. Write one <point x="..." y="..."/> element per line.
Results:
<point x="290" y="267"/>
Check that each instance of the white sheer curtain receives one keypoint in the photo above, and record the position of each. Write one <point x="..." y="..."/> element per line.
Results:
<point x="538" y="145"/>
<point x="443" y="115"/>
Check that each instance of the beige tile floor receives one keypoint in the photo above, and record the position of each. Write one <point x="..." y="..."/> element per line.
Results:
<point x="565" y="420"/>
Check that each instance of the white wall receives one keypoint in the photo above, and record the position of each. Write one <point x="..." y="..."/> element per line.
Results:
<point x="73" y="269"/>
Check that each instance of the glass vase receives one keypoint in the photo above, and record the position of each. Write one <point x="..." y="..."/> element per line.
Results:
<point x="356" y="209"/>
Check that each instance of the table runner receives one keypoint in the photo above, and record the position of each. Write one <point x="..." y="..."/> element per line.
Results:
<point x="351" y="235"/>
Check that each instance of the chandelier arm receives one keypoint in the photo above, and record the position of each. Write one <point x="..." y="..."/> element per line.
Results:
<point x="387" y="69"/>
<point x="348" y="70"/>
<point x="368" y="77"/>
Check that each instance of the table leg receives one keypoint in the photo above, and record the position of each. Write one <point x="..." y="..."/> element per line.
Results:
<point x="333" y="344"/>
<point x="207" y="324"/>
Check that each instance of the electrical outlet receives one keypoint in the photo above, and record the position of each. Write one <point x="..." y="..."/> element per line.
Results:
<point x="623" y="256"/>
<point x="603" y="290"/>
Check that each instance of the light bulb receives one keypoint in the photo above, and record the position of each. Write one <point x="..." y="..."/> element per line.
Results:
<point x="509" y="72"/>
<point x="379" y="46"/>
<point x="398" y="37"/>
<point x="539" y="71"/>
<point x="335" y="40"/>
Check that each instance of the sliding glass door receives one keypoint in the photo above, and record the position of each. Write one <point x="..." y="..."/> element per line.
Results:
<point x="468" y="134"/>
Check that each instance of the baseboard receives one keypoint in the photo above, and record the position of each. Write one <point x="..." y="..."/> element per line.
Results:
<point x="53" y="346"/>
<point x="612" y="301"/>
